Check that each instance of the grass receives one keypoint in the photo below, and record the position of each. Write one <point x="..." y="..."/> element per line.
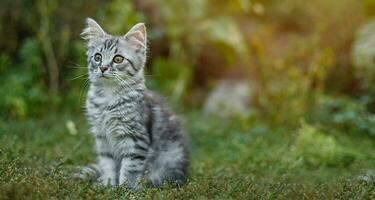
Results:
<point x="238" y="159"/>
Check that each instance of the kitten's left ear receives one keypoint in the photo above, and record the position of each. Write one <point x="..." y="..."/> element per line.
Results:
<point x="137" y="34"/>
<point x="92" y="31"/>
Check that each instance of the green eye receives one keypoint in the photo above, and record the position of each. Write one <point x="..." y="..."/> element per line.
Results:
<point x="118" y="59"/>
<point x="97" y="57"/>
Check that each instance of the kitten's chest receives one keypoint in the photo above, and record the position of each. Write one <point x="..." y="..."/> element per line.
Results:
<point x="113" y="117"/>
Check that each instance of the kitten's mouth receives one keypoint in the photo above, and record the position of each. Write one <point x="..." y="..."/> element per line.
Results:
<point x="103" y="76"/>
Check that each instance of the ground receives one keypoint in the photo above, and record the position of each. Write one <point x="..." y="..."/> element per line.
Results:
<point x="238" y="159"/>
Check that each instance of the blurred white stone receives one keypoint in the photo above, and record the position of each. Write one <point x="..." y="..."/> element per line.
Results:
<point x="363" y="52"/>
<point x="229" y="98"/>
<point x="70" y="125"/>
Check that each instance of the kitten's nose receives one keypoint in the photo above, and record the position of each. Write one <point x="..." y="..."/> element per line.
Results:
<point x="103" y="69"/>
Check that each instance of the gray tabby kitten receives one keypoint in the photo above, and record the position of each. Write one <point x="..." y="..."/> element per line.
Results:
<point x="136" y="135"/>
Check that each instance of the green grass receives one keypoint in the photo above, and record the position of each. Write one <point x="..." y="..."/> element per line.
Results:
<point x="237" y="159"/>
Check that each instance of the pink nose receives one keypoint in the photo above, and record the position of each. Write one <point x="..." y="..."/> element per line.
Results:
<point x="103" y="69"/>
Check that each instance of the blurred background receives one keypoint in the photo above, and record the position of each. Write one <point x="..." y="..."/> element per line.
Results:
<point x="225" y="57"/>
<point x="303" y="68"/>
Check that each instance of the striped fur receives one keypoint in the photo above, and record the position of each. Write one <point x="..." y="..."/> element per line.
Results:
<point x="136" y="135"/>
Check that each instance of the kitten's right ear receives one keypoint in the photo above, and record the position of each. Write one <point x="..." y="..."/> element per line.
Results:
<point x="137" y="34"/>
<point x="92" y="32"/>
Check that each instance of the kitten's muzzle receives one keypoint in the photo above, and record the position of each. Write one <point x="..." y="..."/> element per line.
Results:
<point x="103" y="69"/>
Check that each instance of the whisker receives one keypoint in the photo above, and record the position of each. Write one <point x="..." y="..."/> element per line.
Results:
<point x="79" y="76"/>
<point x="75" y="65"/>
<point x="151" y="75"/>
<point x="82" y="90"/>
<point x="131" y="81"/>
<point x="123" y="84"/>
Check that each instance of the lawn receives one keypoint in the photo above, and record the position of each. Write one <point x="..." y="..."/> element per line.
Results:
<point x="235" y="159"/>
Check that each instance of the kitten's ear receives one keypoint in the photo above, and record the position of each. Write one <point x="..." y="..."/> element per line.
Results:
<point x="93" y="31"/>
<point x="137" y="34"/>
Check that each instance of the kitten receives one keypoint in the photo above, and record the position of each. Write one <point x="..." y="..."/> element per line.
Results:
<point x="136" y="135"/>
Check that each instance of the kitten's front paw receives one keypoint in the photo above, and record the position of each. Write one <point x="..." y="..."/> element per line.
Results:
<point x="89" y="172"/>
<point x="107" y="181"/>
<point x="132" y="186"/>
<point x="133" y="183"/>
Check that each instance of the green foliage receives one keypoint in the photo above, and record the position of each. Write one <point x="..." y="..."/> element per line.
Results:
<point x="22" y="90"/>
<point x="171" y="78"/>
<point x="315" y="148"/>
<point x="344" y="114"/>
<point x="119" y="16"/>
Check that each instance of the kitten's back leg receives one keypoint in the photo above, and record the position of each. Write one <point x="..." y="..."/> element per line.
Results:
<point x="169" y="166"/>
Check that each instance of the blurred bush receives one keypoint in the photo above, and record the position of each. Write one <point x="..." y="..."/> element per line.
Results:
<point x="171" y="80"/>
<point x="22" y="89"/>
<point x="344" y="114"/>
<point x="313" y="148"/>
<point x="301" y="50"/>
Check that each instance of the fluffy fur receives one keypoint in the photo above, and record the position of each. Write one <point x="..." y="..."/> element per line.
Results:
<point x="136" y="135"/>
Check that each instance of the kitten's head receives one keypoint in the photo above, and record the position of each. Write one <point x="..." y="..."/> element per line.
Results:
<point x="115" y="60"/>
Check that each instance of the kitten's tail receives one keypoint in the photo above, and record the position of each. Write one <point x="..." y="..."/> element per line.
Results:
<point x="90" y="172"/>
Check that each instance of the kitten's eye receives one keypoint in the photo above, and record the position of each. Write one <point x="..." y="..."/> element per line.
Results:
<point x="98" y="57"/>
<point x="118" y="59"/>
